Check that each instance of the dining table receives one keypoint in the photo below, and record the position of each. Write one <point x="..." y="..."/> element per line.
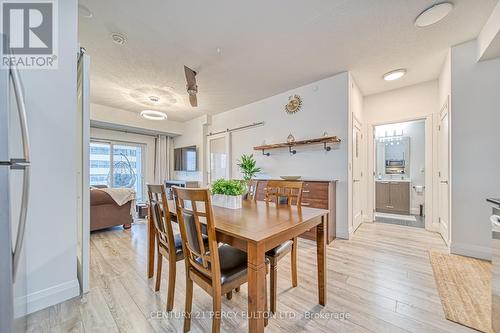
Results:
<point x="256" y="228"/>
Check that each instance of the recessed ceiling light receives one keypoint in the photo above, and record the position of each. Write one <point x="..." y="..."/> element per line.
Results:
<point x="433" y="14"/>
<point x="394" y="75"/>
<point x="153" y="115"/>
<point x="84" y="11"/>
<point x="118" y="38"/>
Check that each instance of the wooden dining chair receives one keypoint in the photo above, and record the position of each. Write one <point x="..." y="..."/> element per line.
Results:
<point x="168" y="243"/>
<point x="282" y="192"/>
<point x="216" y="269"/>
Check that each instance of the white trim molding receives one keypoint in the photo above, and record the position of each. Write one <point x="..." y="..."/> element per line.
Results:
<point x="51" y="296"/>
<point x="474" y="251"/>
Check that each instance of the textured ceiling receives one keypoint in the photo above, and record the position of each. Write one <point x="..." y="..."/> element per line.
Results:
<point x="267" y="47"/>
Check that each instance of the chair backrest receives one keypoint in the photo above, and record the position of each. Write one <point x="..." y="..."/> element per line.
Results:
<point x="284" y="192"/>
<point x="252" y="190"/>
<point x="159" y="212"/>
<point x="192" y="206"/>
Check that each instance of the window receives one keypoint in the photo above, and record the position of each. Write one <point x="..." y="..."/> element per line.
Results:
<point x="118" y="165"/>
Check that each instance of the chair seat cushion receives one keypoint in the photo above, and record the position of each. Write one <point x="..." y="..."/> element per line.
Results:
<point x="280" y="249"/>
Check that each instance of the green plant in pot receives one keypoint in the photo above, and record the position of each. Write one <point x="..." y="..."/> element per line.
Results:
<point x="248" y="166"/>
<point x="228" y="193"/>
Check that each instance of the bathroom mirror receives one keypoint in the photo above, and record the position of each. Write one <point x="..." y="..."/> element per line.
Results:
<point x="393" y="157"/>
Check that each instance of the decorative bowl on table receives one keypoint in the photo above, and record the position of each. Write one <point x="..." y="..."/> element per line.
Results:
<point x="290" y="177"/>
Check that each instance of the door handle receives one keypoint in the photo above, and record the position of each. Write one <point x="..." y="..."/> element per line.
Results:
<point x="21" y="106"/>
<point x="21" y="164"/>
<point x="443" y="182"/>
<point x="356" y="180"/>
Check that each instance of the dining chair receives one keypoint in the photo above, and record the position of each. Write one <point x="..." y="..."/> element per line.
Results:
<point x="216" y="269"/>
<point x="168" y="243"/>
<point x="282" y="192"/>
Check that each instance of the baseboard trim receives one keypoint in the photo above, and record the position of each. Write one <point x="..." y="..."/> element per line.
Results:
<point x="342" y="234"/>
<point x="474" y="251"/>
<point x="51" y="296"/>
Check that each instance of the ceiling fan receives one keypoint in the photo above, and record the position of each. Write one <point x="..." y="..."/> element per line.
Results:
<point x="191" y="86"/>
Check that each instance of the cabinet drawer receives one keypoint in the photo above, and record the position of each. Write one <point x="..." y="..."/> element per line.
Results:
<point x="315" y="191"/>
<point x="315" y="203"/>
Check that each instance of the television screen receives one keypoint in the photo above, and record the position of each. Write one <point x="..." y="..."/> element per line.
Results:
<point x="185" y="159"/>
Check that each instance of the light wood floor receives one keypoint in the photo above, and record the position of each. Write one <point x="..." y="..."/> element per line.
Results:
<point x="381" y="280"/>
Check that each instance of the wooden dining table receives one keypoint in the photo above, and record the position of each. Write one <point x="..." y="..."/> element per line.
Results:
<point x="256" y="228"/>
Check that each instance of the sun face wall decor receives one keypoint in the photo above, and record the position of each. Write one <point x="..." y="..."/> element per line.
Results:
<point x="294" y="104"/>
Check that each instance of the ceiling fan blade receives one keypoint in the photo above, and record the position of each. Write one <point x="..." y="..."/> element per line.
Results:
<point x="190" y="77"/>
<point x="193" y="100"/>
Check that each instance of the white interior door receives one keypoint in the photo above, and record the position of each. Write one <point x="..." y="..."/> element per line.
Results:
<point x="219" y="157"/>
<point x="443" y="173"/>
<point x="82" y="176"/>
<point x="357" y="174"/>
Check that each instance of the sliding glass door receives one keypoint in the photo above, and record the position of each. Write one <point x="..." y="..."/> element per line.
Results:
<point x="118" y="165"/>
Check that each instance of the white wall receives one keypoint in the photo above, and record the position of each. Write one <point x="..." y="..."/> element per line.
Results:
<point x="445" y="80"/>
<point x="475" y="147"/>
<point x="325" y="108"/>
<point x="488" y="41"/>
<point x="407" y="103"/>
<point x="51" y="231"/>
<point x="420" y="101"/>
<point x="146" y="140"/>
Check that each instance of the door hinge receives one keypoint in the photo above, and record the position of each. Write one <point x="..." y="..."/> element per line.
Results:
<point x="439" y="220"/>
<point x="439" y="127"/>
<point x="439" y="173"/>
<point x="361" y="173"/>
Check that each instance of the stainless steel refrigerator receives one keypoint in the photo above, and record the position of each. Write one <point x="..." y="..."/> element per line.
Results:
<point x="14" y="193"/>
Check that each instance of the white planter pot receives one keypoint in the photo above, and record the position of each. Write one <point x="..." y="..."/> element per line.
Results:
<point x="227" y="201"/>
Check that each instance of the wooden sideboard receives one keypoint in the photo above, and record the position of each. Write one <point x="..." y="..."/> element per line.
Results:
<point x="315" y="194"/>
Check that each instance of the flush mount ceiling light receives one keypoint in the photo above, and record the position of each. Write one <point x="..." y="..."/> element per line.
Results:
<point x="118" y="38"/>
<point x="153" y="115"/>
<point x="433" y="14"/>
<point x="394" y="75"/>
<point x="85" y="12"/>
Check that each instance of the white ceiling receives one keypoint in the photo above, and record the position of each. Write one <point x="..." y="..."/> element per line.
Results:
<point x="268" y="47"/>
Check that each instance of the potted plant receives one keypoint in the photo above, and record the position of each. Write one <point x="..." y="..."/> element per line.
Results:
<point x="248" y="167"/>
<point x="228" y="193"/>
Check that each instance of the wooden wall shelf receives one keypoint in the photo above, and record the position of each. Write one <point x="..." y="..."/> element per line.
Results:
<point x="324" y="140"/>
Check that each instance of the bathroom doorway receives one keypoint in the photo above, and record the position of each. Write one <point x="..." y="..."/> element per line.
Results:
<point x="400" y="173"/>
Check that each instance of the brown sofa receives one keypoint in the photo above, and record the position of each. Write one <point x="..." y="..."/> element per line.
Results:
<point x="105" y="212"/>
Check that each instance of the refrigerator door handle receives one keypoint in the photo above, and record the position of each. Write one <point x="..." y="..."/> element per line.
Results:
<point x="21" y="229"/>
<point x="22" y="164"/>
<point x="21" y="106"/>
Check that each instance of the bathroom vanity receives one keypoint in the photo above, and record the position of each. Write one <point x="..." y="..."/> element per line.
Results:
<point x="393" y="196"/>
